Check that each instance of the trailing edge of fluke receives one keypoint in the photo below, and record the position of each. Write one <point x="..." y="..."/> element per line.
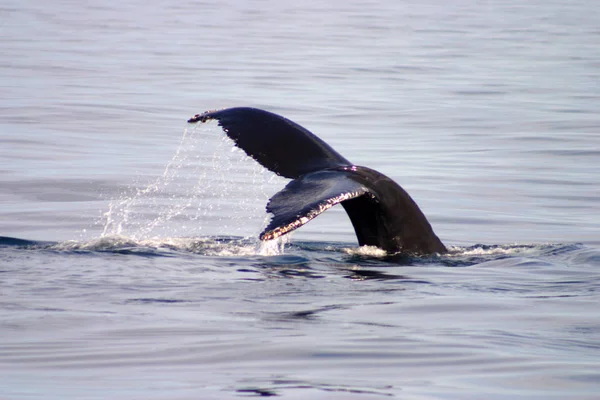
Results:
<point x="381" y="212"/>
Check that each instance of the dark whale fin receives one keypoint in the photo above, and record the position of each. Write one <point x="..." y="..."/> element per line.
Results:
<point x="278" y="144"/>
<point x="306" y="197"/>
<point x="381" y="212"/>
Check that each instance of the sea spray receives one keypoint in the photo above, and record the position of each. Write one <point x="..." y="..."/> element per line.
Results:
<point x="197" y="194"/>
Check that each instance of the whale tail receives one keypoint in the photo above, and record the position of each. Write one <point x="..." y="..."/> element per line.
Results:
<point x="275" y="142"/>
<point x="381" y="212"/>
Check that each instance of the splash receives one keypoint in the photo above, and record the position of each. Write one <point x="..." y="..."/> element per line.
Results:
<point x="273" y="247"/>
<point x="209" y="187"/>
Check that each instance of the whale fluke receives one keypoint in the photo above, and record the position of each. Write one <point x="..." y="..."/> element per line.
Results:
<point x="308" y="196"/>
<point x="278" y="144"/>
<point x="381" y="212"/>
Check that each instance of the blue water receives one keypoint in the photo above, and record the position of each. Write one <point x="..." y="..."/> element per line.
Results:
<point x="129" y="264"/>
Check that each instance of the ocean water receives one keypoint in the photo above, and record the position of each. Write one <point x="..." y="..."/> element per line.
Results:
<point x="129" y="261"/>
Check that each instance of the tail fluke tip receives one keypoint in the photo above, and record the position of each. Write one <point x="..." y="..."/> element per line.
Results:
<point x="205" y="116"/>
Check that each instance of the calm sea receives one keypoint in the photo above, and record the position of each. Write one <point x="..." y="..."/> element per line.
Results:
<point x="129" y="264"/>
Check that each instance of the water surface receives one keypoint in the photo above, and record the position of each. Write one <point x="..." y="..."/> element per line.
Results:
<point x="129" y="264"/>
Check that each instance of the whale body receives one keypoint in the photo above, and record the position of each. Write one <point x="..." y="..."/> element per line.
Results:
<point x="381" y="212"/>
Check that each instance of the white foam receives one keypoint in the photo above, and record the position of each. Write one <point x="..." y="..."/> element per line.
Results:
<point x="482" y="250"/>
<point x="273" y="247"/>
<point x="369" y="251"/>
<point x="207" y="246"/>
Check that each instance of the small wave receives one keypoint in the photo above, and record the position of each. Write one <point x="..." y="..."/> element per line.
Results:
<point x="6" y="241"/>
<point x="494" y="250"/>
<point x="511" y="249"/>
<point x="472" y="255"/>
<point x="207" y="246"/>
<point x="457" y="253"/>
<point x="226" y="246"/>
